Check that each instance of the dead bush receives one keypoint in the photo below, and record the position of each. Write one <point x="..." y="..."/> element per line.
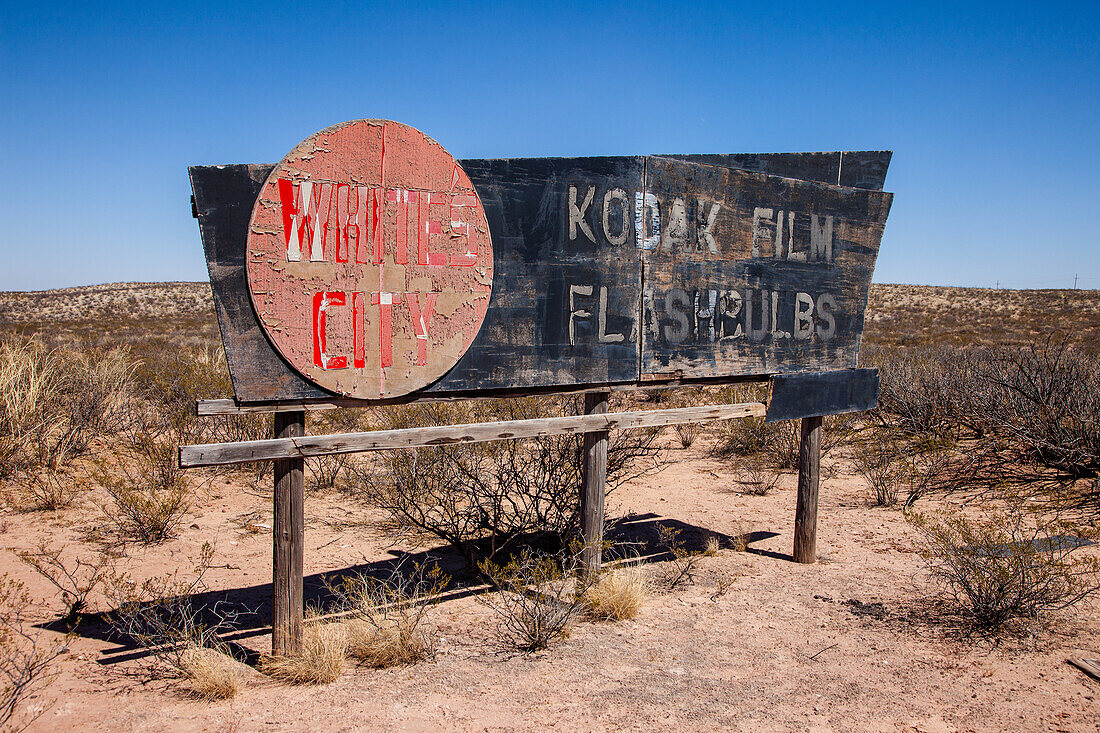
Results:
<point x="148" y="490"/>
<point x="1009" y="564"/>
<point x="322" y="659"/>
<point x="158" y="614"/>
<point x="680" y="570"/>
<point x="388" y="615"/>
<point x="778" y="442"/>
<point x="26" y="659"/>
<point x="1046" y="398"/>
<point x="617" y="595"/>
<point x="539" y="600"/>
<point x="757" y="476"/>
<point x="44" y="489"/>
<point x="895" y="468"/>
<point x="482" y="497"/>
<point x="75" y="578"/>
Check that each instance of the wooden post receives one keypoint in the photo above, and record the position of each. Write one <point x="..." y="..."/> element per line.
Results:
<point x="287" y="550"/>
<point x="809" y="476"/>
<point x="593" y="484"/>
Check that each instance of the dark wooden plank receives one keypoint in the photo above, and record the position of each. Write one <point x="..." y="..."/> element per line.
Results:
<point x="288" y="549"/>
<point x="755" y="274"/>
<point x="593" y="486"/>
<point x="569" y="310"/>
<point x="858" y="169"/>
<point x="218" y="454"/>
<point x="809" y="480"/>
<point x="822" y="393"/>
<point x="224" y="196"/>
<point x="566" y="288"/>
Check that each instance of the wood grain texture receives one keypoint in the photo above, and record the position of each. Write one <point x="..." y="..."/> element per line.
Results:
<point x="809" y="481"/>
<point x="758" y="274"/>
<point x="581" y="297"/>
<point x="288" y="542"/>
<point x="812" y="394"/>
<point x="218" y="454"/>
<point x="593" y="486"/>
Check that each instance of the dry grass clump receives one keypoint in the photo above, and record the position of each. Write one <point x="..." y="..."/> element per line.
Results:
<point x="617" y="596"/>
<point x="387" y="643"/>
<point x="322" y="660"/>
<point x="388" y="625"/>
<point x="211" y="674"/>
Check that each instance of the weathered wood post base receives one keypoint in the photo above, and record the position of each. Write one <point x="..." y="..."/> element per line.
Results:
<point x="287" y="549"/>
<point x="809" y="476"/>
<point x="593" y="484"/>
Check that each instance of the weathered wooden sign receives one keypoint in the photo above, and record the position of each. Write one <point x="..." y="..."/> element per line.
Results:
<point x="370" y="264"/>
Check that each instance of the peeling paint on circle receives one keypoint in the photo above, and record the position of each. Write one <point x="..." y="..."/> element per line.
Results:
<point x="369" y="260"/>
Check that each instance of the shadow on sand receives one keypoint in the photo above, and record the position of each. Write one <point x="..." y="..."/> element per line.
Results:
<point x="634" y="539"/>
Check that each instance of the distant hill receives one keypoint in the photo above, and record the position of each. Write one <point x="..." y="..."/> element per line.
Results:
<point x="182" y="313"/>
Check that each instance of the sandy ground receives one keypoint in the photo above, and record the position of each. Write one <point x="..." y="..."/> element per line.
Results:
<point x="784" y="647"/>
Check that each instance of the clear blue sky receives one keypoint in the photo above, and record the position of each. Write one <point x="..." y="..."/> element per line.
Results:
<point x="991" y="109"/>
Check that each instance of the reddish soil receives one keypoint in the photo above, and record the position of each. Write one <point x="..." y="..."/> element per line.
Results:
<point x="784" y="647"/>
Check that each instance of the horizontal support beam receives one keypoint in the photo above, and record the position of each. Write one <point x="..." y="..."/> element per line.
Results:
<point x="220" y="454"/>
<point x="209" y="408"/>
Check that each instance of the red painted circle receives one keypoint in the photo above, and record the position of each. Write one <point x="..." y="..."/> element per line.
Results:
<point x="369" y="260"/>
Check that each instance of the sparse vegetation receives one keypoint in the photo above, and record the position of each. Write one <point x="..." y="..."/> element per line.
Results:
<point x="26" y="659"/>
<point x="388" y="627"/>
<point x="617" y="595"/>
<point x="160" y="616"/>
<point x="322" y="660"/>
<point x="76" y="579"/>
<point x="540" y="598"/>
<point x="482" y="497"/>
<point x="149" y="492"/>
<point x="1008" y="564"/>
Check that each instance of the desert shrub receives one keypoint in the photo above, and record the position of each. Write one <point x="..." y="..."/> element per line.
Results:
<point x="30" y="399"/>
<point x="687" y="433"/>
<point x="540" y="598"/>
<point x="1046" y="398"/>
<point x="75" y="579"/>
<point x="1008" y="564"/>
<point x="680" y="570"/>
<point x="387" y="626"/>
<point x="482" y="497"/>
<point x="895" y="468"/>
<point x="149" y="492"/>
<point x="335" y="472"/>
<point x="757" y="476"/>
<point x="26" y="660"/>
<point x="616" y="595"/>
<point x="44" y="489"/>
<point x="778" y="442"/>
<point x="322" y="659"/>
<point x="54" y="404"/>
<point x="159" y="615"/>
<point x="917" y="389"/>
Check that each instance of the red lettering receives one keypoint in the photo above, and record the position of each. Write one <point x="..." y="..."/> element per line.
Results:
<point x="321" y="303"/>
<point x="385" y="302"/>
<point x="421" y="319"/>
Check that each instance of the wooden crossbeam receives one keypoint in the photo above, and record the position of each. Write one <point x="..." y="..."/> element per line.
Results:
<point x="219" y="454"/>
